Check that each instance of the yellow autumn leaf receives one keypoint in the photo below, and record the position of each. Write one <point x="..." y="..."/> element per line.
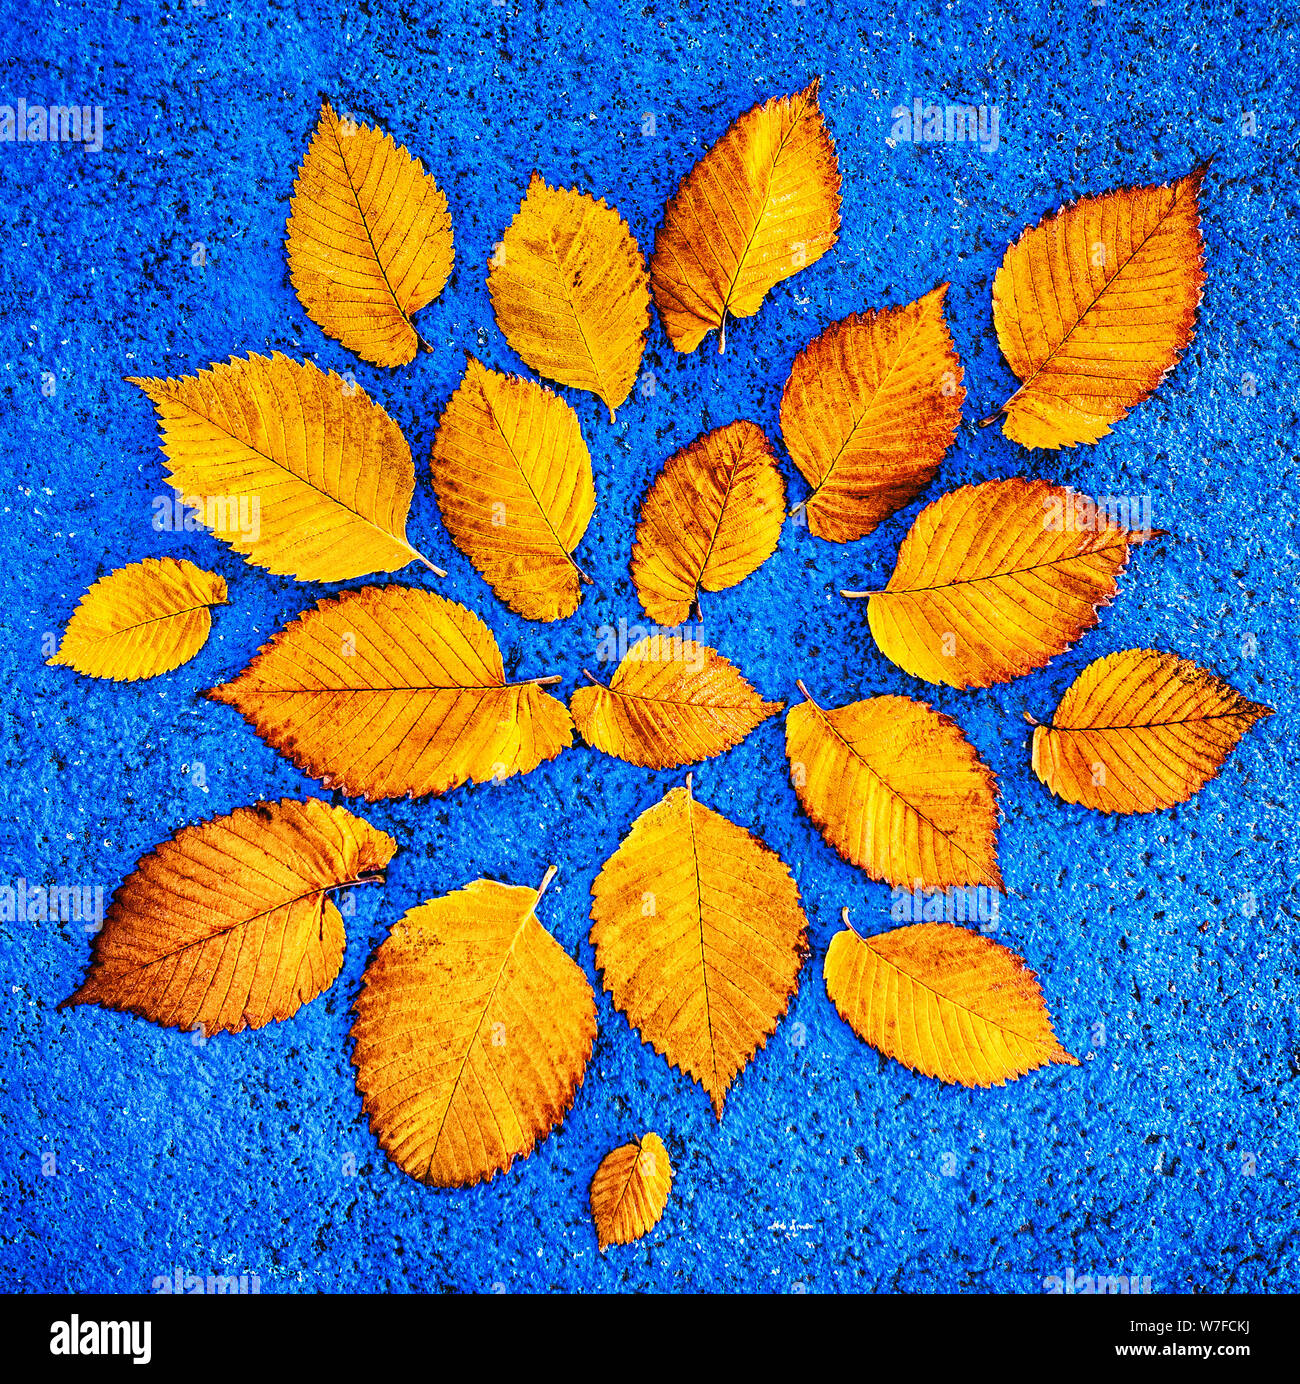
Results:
<point x="700" y="934"/>
<point x="671" y="701"/>
<point x="995" y="580"/>
<point x="393" y="691"/>
<point x="869" y="409"/>
<point x="943" y="1001"/>
<point x="712" y="517"/>
<point x="1095" y="305"/>
<point x="1139" y="731"/>
<point x="763" y="203"/>
<point x="227" y="925"/>
<point x="896" y="789"/>
<point x="141" y="620"/>
<point x="570" y="291"/>
<point x="296" y="469"/>
<point x="513" y="480"/>
<point x="630" y="1190"/>
<point x="369" y="239"/>
<point x="473" y="1031"/>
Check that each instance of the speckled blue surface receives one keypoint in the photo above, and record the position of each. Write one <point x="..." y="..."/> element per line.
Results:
<point x="1170" y="1153"/>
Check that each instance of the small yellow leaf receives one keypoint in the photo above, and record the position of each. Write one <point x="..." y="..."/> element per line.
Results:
<point x="672" y="701"/>
<point x="1095" y="305"/>
<point x="141" y="620"/>
<point x="712" y="516"/>
<point x="1139" y="731"/>
<point x="227" y="925"/>
<point x="570" y="291"/>
<point x="630" y="1190"/>
<point x="763" y="203"/>
<point x="473" y="1031"/>
<point x="699" y="931"/>
<point x="296" y="469"/>
<point x="897" y="790"/>
<point x="994" y="580"/>
<point x="393" y="691"/>
<point x="514" y="483"/>
<point x="943" y="1001"/>
<point x="870" y="407"/>
<point x="369" y="239"/>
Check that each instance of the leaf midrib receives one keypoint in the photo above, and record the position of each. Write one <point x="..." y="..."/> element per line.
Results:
<point x="1135" y="537"/>
<point x="529" y="913"/>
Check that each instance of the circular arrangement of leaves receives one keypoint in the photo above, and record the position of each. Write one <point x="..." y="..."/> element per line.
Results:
<point x="473" y="1027"/>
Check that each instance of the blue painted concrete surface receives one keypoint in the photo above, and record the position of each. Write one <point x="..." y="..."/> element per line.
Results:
<point x="1166" y="945"/>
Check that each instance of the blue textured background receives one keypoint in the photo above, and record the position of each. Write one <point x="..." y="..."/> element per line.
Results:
<point x="828" y="1169"/>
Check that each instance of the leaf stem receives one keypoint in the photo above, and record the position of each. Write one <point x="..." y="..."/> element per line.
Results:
<point x="550" y="874"/>
<point x="437" y="571"/>
<point x="844" y="915"/>
<point x="592" y="678"/>
<point x="807" y="695"/>
<point x="379" y="878"/>
<point x="862" y="595"/>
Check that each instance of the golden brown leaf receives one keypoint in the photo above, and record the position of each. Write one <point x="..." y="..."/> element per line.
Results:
<point x="392" y="691"/>
<point x="943" y="1001"/>
<point x="1095" y="305"/>
<point x="369" y="239"/>
<point x="473" y="1031"/>
<point x="141" y="620"/>
<point x="630" y="1190"/>
<point x="763" y="203"/>
<point x="896" y="789"/>
<point x="671" y="701"/>
<point x="570" y="291"/>
<point x="700" y="935"/>
<point x="296" y="469"/>
<point x="994" y="580"/>
<point x="227" y="925"/>
<point x="513" y="479"/>
<point x="1138" y="731"/>
<point x="870" y="407"/>
<point x="712" y="516"/>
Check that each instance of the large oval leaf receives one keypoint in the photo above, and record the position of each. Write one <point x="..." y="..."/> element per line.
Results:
<point x="473" y="1030"/>
<point x="897" y="790"/>
<point x="513" y="479"/>
<point x="759" y="206"/>
<point x="943" y="1001"/>
<point x="296" y="469"/>
<point x="369" y="239"/>
<point x="994" y="580"/>
<point x="227" y="925"/>
<point x="699" y="931"/>
<point x="392" y="691"/>
<point x="1138" y="731"/>
<point x="1095" y="305"/>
